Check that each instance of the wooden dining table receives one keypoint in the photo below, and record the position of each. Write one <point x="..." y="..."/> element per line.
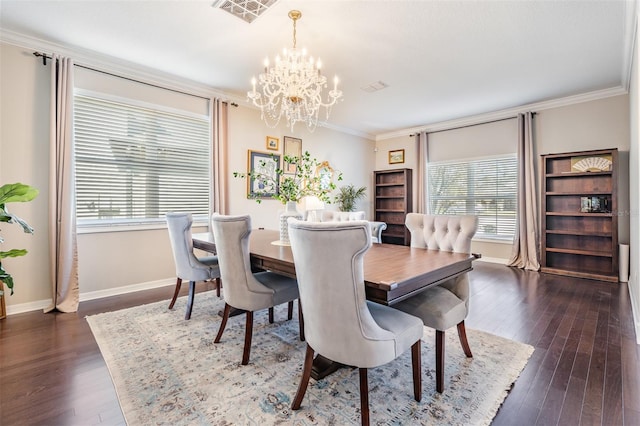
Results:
<point x="391" y="272"/>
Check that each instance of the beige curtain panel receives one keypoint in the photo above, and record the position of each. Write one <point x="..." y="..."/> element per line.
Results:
<point x="219" y="136"/>
<point x="525" y="244"/>
<point x="63" y="249"/>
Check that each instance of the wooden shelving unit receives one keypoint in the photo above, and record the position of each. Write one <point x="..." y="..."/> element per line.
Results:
<point x="392" y="203"/>
<point x="579" y="214"/>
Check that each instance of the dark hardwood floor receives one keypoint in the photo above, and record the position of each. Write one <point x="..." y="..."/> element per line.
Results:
<point x="585" y="368"/>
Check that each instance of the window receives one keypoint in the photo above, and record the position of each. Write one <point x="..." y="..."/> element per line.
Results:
<point x="484" y="187"/>
<point x="134" y="163"/>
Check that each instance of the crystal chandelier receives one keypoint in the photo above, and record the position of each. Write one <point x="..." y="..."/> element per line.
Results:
<point x="292" y="87"/>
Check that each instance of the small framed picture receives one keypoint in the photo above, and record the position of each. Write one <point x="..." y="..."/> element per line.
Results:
<point x="396" y="156"/>
<point x="273" y="144"/>
<point x="262" y="166"/>
<point x="292" y="148"/>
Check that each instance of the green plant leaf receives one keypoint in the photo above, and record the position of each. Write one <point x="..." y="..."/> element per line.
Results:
<point x="16" y="192"/>
<point x="13" y="253"/>
<point x="6" y="278"/>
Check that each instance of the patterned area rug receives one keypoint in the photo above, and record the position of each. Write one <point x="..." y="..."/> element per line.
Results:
<point x="168" y="371"/>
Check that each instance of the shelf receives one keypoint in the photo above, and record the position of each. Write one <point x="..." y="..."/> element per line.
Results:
<point x="580" y="274"/>
<point x="390" y="196"/>
<point x="579" y="214"/>
<point x="389" y="184"/>
<point x="580" y="252"/>
<point x="578" y="233"/>
<point x="579" y="193"/>
<point x="389" y="211"/>
<point x="574" y="174"/>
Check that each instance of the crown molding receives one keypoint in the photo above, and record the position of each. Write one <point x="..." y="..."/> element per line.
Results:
<point x="93" y="59"/>
<point x="507" y="113"/>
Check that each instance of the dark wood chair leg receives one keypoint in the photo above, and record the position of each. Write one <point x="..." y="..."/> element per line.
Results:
<point x="223" y="324"/>
<point x="439" y="361"/>
<point x="248" y="333"/>
<point x="192" y="294"/>
<point x="271" y="315"/>
<point x="304" y="381"/>
<point x="301" y="321"/>
<point x="416" y="362"/>
<point x="175" y="293"/>
<point x="218" y="286"/>
<point x="290" y="310"/>
<point x="462" y="335"/>
<point x="364" y="397"/>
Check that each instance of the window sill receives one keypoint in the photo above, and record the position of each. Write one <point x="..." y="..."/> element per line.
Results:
<point x="99" y="229"/>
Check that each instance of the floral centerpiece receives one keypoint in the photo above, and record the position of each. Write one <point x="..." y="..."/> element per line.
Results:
<point x="304" y="179"/>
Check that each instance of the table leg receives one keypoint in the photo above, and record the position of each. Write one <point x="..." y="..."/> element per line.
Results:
<point x="322" y="367"/>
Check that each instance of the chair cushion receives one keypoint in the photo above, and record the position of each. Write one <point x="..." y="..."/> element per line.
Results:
<point x="284" y="288"/>
<point x="438" y="307"/>
<point x="407" y="329"/>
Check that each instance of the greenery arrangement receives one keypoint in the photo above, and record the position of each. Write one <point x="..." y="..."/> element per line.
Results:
<point x="305" y="181"/>
<point x="348" y="196"/>
<point x="11" y="193"/>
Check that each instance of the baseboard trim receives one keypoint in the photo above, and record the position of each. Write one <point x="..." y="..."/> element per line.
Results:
<point x="634" y="312"/>
<point x="91" y="295"/>
<point x="493" y="260"/>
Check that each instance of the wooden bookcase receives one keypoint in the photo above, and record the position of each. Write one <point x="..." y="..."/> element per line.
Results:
<point x="579" y="235"/>
<point x="392" y="203"/>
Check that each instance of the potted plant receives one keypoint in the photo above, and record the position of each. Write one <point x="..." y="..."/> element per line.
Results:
<point x="348" y="196"/>
<point x="10" y="193"/>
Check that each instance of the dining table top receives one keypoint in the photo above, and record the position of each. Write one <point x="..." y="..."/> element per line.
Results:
<point x="391" y="272"/>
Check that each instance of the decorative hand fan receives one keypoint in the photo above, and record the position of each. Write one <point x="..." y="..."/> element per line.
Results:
<point x="590" y="164"/>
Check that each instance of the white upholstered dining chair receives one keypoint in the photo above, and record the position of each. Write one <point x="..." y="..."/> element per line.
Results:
<point x="244" y="289"/>
<point x="445" y="305"/>
<point x="339" y="322"/>
<point x="376" y="227"/>
<point x="188" y="266"/>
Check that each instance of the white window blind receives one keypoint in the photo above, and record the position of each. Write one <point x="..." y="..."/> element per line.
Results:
<point x="135" y="163"/>
<point x="484" y="187"/>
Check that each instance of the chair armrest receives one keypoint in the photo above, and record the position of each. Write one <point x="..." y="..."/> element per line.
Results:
<point x="376" y="231"/>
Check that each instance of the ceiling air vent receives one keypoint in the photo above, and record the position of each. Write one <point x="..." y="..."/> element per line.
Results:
<point x="247" y="10"/>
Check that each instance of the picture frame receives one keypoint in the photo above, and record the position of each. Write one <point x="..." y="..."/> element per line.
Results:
<point x="396" y="156"/>
<point x="292" y="148"/>
<point x="273" y="143"/>
<point x="262" y="181"/>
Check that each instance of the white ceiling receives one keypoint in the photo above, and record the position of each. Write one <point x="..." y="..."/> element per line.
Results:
<point x="442" y="60"/>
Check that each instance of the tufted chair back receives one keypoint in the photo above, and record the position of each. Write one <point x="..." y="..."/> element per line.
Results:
<point x="446" y="233"/>
<point x="333" y="216"/>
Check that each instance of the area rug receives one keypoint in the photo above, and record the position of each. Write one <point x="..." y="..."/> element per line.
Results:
<point x="167" y="370"/>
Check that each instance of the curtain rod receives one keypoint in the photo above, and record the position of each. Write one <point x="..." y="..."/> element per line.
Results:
<point x="44" y="62"/>
<point x="471" y="125"/>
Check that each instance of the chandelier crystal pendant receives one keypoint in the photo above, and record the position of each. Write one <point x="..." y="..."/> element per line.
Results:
<point x="293" y="87"/>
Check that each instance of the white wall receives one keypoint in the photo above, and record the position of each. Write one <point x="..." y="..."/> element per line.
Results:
<point x="598" y="124"/>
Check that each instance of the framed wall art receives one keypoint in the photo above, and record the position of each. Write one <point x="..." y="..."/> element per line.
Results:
<point x="273" y="144"/>
<point x="292" y="148"/>
<point x="396" y="156"/>
<point x="262" y="181"/>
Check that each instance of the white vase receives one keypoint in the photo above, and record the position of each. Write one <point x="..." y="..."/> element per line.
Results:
<point x="290" y="211"/>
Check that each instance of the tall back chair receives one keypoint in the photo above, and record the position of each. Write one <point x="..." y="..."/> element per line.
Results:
<point x="188" y="266"/>
<point x="443" y="306"/>
<point x="376" y="227"/>
<point x="339" y="322"/>
<point x="244" y="289"/>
